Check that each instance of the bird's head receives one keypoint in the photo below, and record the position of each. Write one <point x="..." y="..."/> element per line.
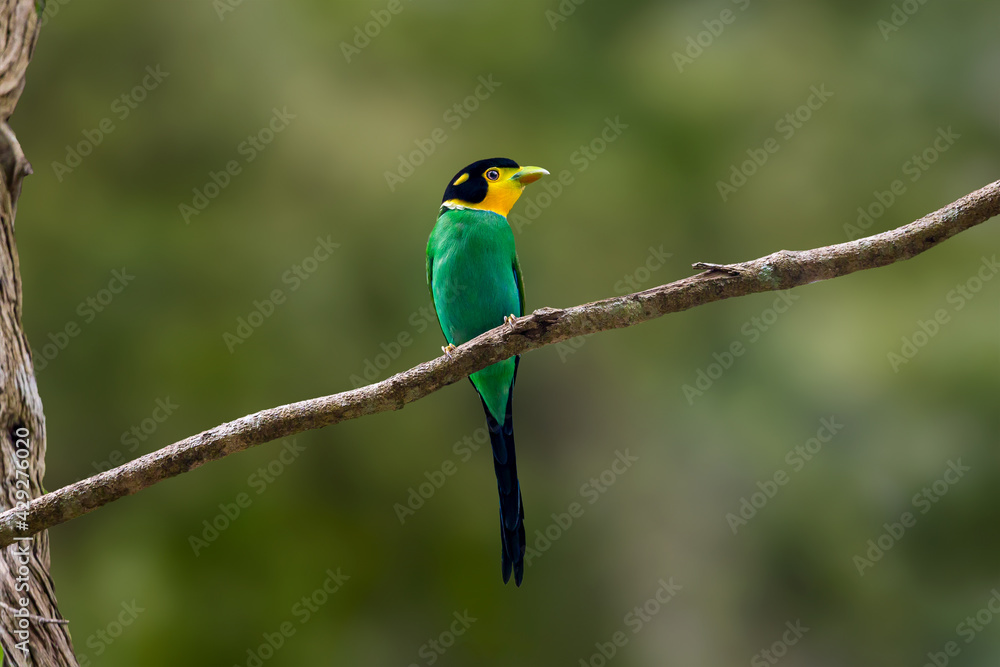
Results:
<point x="490" y="185"/>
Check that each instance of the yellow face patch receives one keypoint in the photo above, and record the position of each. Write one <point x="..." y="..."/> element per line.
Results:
<point x="461" y="179"/>
<point x="502" y="194"/>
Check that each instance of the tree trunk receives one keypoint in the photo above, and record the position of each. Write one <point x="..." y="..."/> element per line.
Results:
<point x="31" y="630"/>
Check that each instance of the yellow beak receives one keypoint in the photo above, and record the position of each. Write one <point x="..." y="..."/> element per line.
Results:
<point x="527" y="175"/>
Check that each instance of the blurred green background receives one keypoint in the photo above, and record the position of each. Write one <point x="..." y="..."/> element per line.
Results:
<point x="225" y="67"/>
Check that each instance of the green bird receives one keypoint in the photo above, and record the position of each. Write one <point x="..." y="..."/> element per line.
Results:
<point x="475" y="282"/>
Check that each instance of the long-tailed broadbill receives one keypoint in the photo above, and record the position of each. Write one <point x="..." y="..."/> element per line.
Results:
<point x="475" y="282"/>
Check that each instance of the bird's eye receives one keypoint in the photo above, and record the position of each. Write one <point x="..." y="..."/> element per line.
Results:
<point x="492" y="174"/>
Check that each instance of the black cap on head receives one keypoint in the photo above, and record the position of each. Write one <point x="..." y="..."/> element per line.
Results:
<point x="474" y="188"/>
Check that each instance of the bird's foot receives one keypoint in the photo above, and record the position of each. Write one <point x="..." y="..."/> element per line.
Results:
<point x="721" y="268"/>
<point x="509" y="321"/>
<point x="448" y="349"/>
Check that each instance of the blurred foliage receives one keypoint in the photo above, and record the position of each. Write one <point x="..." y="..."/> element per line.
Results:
<point x="227" y="66"/>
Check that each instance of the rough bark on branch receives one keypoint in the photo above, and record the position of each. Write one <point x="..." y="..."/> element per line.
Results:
<point x="29" y="617"/>
<point x="779" y="271"/>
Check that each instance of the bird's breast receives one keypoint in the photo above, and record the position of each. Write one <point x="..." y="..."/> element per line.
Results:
<point x="474" y="285"/>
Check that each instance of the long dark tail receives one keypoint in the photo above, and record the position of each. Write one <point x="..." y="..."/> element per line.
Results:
<point x="511" y="509"/>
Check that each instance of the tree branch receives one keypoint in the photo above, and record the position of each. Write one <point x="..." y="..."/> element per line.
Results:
<point x="779" y="271"/>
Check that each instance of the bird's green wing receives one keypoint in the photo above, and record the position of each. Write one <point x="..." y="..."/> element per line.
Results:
<point x="430" y="288"/>
<point x="520" y="283"/>
<point x="430" y="272"/>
